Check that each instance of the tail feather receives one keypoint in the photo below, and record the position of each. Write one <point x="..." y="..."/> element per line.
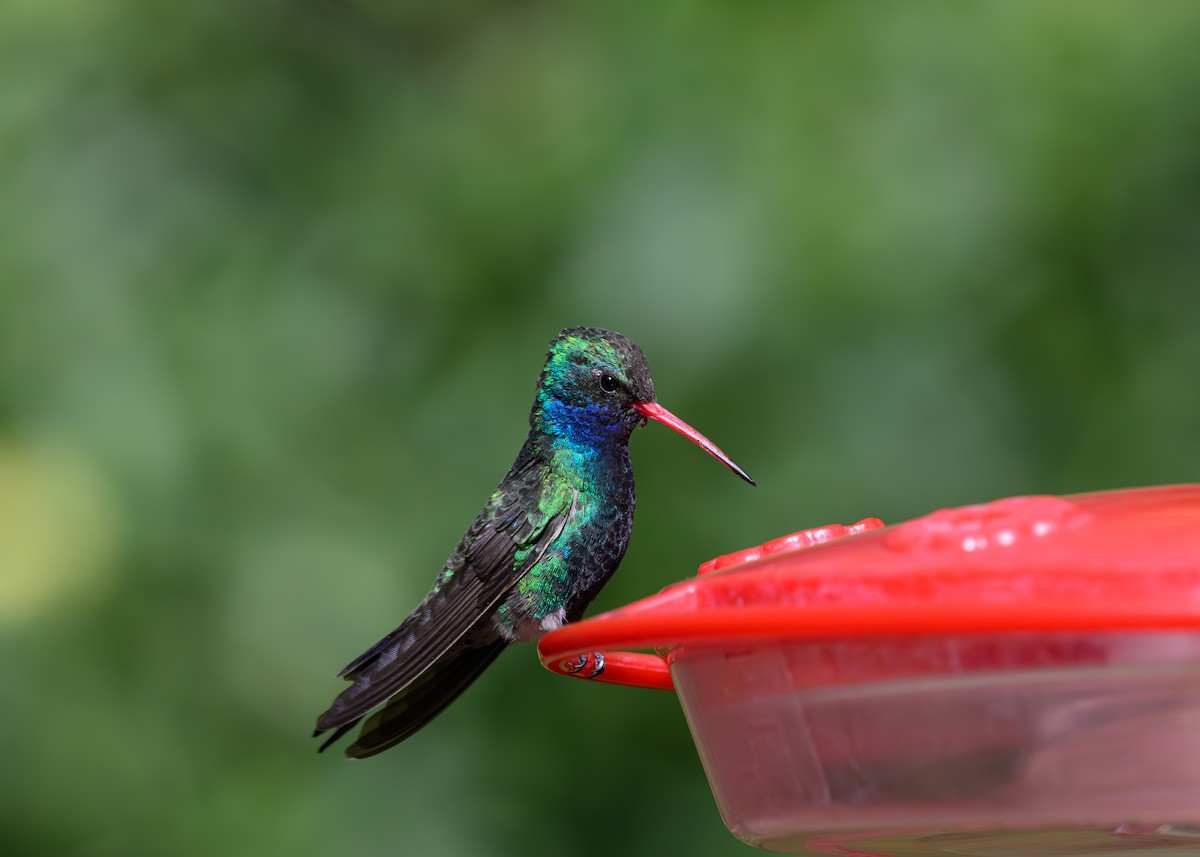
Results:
<point x="337" y="733"/>
<point x="424" y="699"/>
<point x="421" y="701"/>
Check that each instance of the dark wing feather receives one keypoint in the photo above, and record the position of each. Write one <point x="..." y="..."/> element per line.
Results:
<point x="526" y="513"/>
<point x="423" y="699"/>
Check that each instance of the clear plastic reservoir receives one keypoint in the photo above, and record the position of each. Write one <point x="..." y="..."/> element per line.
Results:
<point x="1004" y="744"/>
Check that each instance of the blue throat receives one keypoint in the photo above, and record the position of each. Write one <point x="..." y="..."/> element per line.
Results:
<point x="582" y="439"/>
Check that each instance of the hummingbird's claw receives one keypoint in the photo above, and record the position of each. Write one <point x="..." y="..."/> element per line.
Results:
<point x="587" y="666"/>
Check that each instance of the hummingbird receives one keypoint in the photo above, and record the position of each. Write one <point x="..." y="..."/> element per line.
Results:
<point x="545" y="543"/>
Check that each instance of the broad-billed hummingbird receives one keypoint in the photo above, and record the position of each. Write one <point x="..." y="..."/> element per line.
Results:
<point x="545" y="543"/>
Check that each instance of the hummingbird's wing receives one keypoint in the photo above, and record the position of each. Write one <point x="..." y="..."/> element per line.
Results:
<point x="422" y="700"/>
<point x="520" y="521"/>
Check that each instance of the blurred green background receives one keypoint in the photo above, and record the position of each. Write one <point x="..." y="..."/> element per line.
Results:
<point x="276" y="280"/>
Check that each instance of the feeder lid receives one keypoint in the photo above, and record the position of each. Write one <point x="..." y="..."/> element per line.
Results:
<point x="1126" y="559"/>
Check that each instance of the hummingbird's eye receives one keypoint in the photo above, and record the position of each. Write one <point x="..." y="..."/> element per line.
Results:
<point x="609" y="383"/>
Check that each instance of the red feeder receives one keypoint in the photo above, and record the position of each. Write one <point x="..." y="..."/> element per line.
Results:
<point x="1015" y="678"/>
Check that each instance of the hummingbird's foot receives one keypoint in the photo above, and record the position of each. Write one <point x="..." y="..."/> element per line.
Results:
<point x="587" y="666"/>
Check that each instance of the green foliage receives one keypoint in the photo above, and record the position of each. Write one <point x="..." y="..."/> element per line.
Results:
<point x="276" y="280"/>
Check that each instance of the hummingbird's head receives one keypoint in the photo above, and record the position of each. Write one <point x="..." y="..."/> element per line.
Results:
<point x="596" y="388"/>
<point x="589" y="386"/>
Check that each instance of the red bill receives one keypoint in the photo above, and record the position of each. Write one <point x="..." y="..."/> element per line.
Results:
<point x="656" y="412"/>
